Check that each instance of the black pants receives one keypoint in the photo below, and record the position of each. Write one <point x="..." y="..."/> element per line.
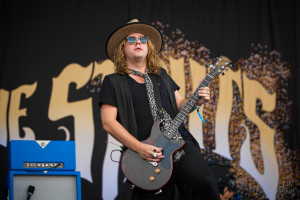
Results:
<point x="191" y="169"/>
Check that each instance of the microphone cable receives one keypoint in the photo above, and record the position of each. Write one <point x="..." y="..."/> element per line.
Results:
<point x="30" y="191"/>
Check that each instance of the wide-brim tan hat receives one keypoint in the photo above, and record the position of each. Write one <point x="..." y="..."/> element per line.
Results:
<point x="133" y="26"/>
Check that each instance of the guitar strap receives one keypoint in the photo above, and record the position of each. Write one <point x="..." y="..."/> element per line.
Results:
<point x="156" y="108"/>
<point x="153" y="100"/>
<point x="163" y="116"/>
<point x="157" y="95"/>
<point x="178" y="154"/>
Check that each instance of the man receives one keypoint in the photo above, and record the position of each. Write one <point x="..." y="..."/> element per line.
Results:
<point x="129" y="106"/>
<point x="227" y="187"/>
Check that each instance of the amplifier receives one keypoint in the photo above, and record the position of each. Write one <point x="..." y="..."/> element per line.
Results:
<point x="41" y="155"/>
<point x="53" y="185"/>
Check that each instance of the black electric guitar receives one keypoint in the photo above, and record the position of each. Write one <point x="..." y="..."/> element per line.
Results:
<point x="154" y="175"/>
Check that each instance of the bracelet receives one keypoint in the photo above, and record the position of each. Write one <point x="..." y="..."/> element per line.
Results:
<point x="197" y="108"/>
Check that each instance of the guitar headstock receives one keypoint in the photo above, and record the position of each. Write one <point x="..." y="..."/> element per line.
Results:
<point x="219" y="66"/>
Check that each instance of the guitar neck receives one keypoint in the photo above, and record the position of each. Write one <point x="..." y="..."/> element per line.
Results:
<point x="186" y="109"/>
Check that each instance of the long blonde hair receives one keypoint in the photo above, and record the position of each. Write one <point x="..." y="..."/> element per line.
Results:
<point x="153" y="61"/>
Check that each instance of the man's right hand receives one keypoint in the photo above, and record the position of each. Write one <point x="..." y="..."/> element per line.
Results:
<point x="150" y="153"/>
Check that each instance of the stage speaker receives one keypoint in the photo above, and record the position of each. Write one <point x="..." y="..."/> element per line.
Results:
<point x="51" y="185"/>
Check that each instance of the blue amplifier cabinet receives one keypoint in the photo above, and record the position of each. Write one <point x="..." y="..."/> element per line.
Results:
<point x="41" y="155"/>
<point x="58" y="185"/>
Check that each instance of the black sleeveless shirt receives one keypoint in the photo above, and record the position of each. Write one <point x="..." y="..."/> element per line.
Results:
<point x="140" y="101"/>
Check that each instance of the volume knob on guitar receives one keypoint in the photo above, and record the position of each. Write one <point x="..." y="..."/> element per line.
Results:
<point x="151" y="178"/>
<point x="157" y="170"/>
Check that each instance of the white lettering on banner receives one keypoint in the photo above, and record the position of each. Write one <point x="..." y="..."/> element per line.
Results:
<point x="177" y="73"/>
<point x="15" y="112"/>
<point x="4" y="98"/>
<point x="110" y="169"/>
<point x="104" y="68"/>
<point x="198" y="72"/>
<point x="269" y="179"/>
<point x="82" y="111"/>
<point x="110" y="172"/>
<point x="224" y="111"/>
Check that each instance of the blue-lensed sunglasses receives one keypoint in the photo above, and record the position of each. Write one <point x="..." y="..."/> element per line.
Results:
<point x="132" y="39"/>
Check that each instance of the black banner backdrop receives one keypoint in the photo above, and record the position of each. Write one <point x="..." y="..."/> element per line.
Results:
<point x="53" y="60"/>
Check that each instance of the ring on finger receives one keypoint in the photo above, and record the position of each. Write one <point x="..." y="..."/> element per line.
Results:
<point x="153" y="155"/>
<point x="154" y="150"/>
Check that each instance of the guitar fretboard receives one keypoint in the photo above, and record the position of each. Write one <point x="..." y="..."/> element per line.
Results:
<point x="186" y="109"/>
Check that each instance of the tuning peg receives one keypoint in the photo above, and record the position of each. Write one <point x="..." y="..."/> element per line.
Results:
<point x="211" y="66"/>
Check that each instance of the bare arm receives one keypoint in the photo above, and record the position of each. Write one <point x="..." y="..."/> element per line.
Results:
<point x="116" y="130"/>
